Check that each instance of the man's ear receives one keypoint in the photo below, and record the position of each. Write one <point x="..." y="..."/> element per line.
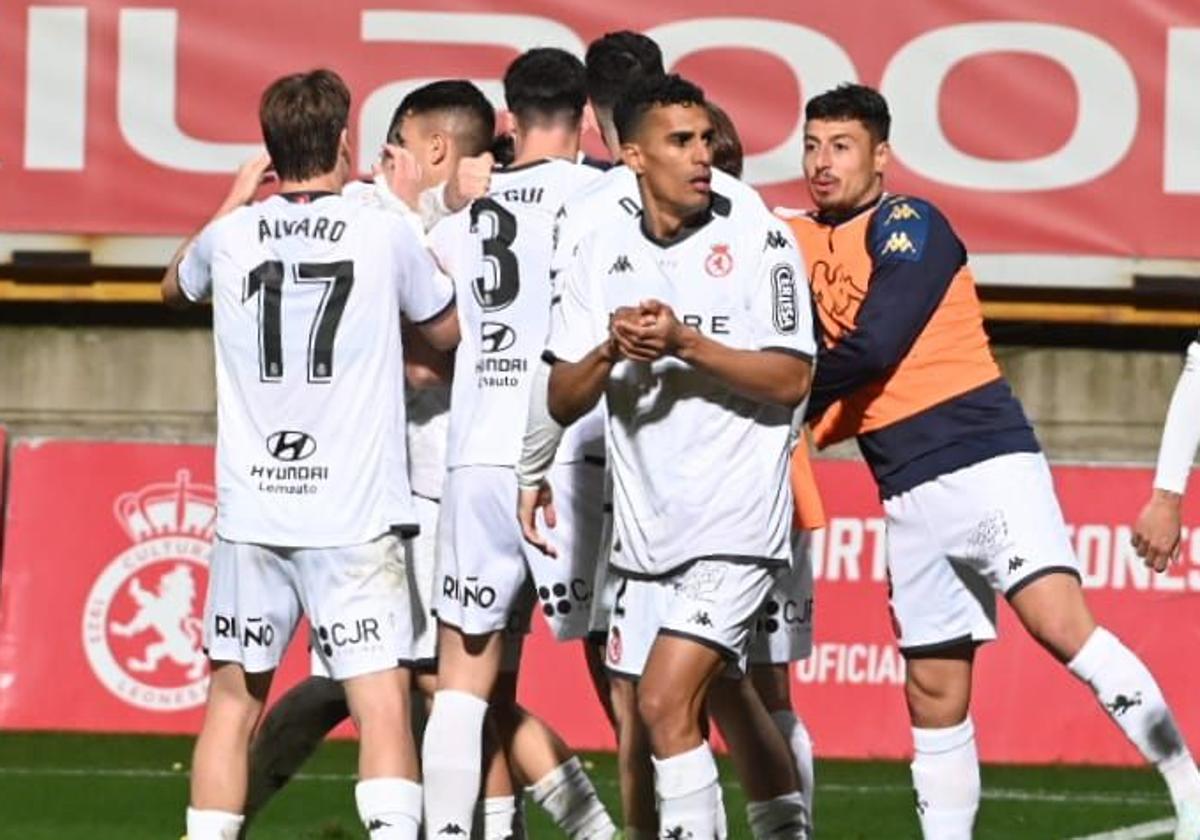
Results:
<point x="439" y="148"/>
<point x="631" y="155"/>
<point x="882" y="156"/>
<point x="506" y="122"/>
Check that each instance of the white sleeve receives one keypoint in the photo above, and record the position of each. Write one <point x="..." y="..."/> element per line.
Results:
<point x="780" y="305"/>
<point x="542" y="433"/>
<point x="425" y="291"/>
<point x="573" y="331"/>
<point x="195" y="269"/>
<point x="389" y="201"/>
<point x="1181" y="432"/>
<point x="431" y="206"/>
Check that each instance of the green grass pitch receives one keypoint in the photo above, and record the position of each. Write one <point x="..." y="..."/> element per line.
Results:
<point x="100" y="787"/>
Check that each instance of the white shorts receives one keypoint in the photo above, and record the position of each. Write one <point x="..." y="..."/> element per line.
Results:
<point x="712" y="602"/>
<point x="355" y="597"/>
<point x="421" y="567"/>
<point x="783" y="628"/>
<point x="483" y="563"/>
<point x="954" y="541"/>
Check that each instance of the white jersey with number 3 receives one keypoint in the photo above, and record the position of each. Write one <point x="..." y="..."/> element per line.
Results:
<point x="307" y="292"/>
<point x="499" y="252"/>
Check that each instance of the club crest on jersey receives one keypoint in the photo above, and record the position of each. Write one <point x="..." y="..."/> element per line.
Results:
<point x="719" y="262"/>
<point x="142" y="625"/>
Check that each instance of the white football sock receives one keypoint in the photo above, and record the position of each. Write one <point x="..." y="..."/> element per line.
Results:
<point x="390" y="808"/>
<point x="945" y="771"/>
<point x="1128" y="692"/>
<point x="568" y="796"/>
<point x="800" y="743"/>
<point x="688" y="794"/>
<point x="212" y="825"/>
<point x="782" y="818"/>
<point x="495" y="818"/>
<point x="451" y="759"/>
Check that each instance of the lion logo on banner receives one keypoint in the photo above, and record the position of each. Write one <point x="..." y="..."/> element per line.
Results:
<point x="142" y="629"/>
<point x="169" y="613"/>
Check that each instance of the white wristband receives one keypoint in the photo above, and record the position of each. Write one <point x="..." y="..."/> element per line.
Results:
<point x="542" y="433"/>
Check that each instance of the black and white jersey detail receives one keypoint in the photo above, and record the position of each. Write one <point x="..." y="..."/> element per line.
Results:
<point x="498" y="252"/>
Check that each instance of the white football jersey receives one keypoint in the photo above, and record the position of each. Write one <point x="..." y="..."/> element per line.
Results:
<point x="698" y="471"/>
<point x="612" y="197"/>
<point x="498" y="251"/>
<point x="307" y="296"/>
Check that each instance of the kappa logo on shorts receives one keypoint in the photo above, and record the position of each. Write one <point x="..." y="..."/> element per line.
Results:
<point x="1123" y="703"/>
<point x="451" y="829"/>
<point x="701" y="619"/>
<point x="557" y="599"/>
<point x="142" y="624"/>
<point x="1016" y="563"/>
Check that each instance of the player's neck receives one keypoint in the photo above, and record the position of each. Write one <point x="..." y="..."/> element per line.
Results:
<point x="665" y="222"/>
<point x="328" y="182"/>
<point x="537" y="144"/>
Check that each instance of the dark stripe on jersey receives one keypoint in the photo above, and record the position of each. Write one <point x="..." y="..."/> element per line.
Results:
<point x="1041" y="573"/>
<point x="711" y="644"/>
<point x="962" y="431"/>
<point x="305" y="196"/>
<point x="594" y="460"/>
<point x="597" y="163"/>
<point x="440" y="313"/>
<point x="934" y="650"/>
<point x="521" y="167"/>
<point x="788" y="351"/>
<point x="719" y="205"/>
<point x="735" y="559"/>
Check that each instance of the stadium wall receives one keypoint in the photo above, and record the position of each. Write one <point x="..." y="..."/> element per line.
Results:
<point x="105" y="566"/>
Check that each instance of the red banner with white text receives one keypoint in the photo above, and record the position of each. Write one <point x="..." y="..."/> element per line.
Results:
<point x="105" y="568"/>
<point x="1040" y="128"/>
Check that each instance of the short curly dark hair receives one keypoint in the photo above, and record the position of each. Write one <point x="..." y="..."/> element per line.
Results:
<point x="853" y="102"/>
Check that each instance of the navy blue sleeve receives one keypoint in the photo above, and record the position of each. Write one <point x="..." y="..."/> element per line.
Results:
<point x="915" y="255"/>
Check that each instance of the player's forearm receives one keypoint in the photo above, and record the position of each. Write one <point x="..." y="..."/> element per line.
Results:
<point x="542" y="433"/>
<point x="1181" y="432"/>
<point x="172" y="294"/>
<point x="576" y="387"/>
<point x="768" y="376"/>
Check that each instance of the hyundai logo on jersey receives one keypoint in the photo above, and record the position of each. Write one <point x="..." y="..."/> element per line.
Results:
<point x="496" y="338"/>
<point x="291" y="446"/>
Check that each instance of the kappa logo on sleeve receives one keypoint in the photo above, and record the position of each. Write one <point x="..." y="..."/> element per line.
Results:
<point x="784" y="309"/>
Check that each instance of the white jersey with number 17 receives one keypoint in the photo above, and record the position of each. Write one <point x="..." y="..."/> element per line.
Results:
<point x="499" y="251"/>
<point x="307" y="293"/>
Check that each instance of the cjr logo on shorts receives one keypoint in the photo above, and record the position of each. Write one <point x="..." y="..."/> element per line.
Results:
<point x="142" y="626"/>
<point x="291" y="446"/>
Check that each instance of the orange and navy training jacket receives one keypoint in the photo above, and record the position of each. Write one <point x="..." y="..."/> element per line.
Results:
<point x="904" y="363"/>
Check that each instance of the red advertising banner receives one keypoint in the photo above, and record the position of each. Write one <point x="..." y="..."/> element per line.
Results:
<point x="104" y="573"/>
<point x="1041" y="128"/>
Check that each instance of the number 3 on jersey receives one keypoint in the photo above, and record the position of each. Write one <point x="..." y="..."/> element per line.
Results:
<point x="266" y="281"/>
<point x="501" y="279"/>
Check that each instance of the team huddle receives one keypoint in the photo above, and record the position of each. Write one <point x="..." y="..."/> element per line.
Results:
<point x="501" y="377"/>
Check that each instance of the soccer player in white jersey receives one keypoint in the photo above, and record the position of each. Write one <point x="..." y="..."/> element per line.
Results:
<point x="307" y="292"/>
<point x="715" y="384"/>
<point x="498" y="252"/>
<point x="438" y="126"/>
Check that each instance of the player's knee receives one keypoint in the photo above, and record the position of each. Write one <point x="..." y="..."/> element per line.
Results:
<point x="663" y="710"/>
<point x="1063" y="634"/>
<point x="938" y="693"/>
